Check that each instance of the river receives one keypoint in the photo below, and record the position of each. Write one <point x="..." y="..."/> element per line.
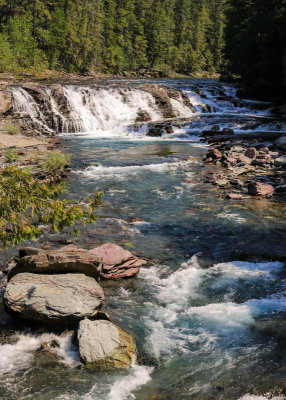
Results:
<point x="207" y="310"/>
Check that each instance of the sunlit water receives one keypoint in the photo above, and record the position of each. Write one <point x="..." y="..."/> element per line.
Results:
<point x="207" y="311"/>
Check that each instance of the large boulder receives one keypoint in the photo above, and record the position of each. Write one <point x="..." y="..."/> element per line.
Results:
<point x="104" y="345"/>
<point x="60" y="300"/>
<point x="68" y="259"/>
<point x="117" y="262"/>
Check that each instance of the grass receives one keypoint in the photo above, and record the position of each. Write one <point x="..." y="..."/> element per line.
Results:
<point x="11" y="156"/>
<point x="55" y="162"/>
<point x="11" y="128"/>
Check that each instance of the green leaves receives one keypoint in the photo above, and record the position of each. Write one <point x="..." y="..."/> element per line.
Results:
<point x="112" y="36"/>
<point x="23" y="198"/>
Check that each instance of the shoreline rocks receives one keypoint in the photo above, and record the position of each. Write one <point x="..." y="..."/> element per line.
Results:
<point x="60" y="300"/>
<point x="69" y="259"/>
<point x="117" y="262"/>
<point x="252" y="161"/>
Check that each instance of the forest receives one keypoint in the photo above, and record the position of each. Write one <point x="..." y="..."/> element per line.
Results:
<point x="243" y="37"/>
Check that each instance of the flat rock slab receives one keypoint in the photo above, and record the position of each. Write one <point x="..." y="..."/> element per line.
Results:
<point x="61" y="300"/>
<point x="104" y="345"/>
<point x="68" y="259"/>
<point x="117" y="262"/>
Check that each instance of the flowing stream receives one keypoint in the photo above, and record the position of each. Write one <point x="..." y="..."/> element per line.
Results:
<point x="207" y="310"/>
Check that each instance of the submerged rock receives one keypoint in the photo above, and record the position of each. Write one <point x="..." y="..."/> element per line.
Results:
<point x="117" y="262"/>
<point x="60" y="300"/>
<point x="104" y="345"/>
<point x="69" y="259"/>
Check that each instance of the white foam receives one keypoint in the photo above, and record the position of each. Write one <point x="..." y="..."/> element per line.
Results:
<point x="102" y="172"/>
<point x="14" y="357"/>
<point x="233" y="217"/>
<point x="123" y="388"/>
<point x="227" y="273"/>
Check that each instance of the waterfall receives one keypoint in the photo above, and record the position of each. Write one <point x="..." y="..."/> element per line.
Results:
<point x="63" y="109"/>
<point x="87" y="109"/>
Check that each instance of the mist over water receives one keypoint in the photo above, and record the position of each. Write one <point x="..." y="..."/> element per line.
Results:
<point x="207" y="312"/>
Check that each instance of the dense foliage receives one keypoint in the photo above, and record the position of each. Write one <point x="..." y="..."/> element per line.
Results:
<point x="26" y="204"/>
<point x="256" y="45"/>
<point x="111" y="35"/>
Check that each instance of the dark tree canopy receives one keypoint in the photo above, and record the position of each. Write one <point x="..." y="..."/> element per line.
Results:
<point x="111" y="35"/>
<point x="256" y="45"/>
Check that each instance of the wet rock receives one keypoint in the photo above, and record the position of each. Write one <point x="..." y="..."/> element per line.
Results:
<point x="142" y="116"/>
<point x="278" y="392"/>
<point x="3" y="266"/>
<point x="211" y="132"/>
<point x="59" y="300"/>
<point x="227" y="131"/>
<point x="28" y="251"/>
<point x="274" y="154"/>
<point x="280" y="161"/>
<point x="251" y="153"/>
<point x="48" y="346"/>
<point x="260" y="189"/>
<point x="215" y="128"/>
<point x="237" y="149"/>
<point x="161" y="98"/>
<point x="104" y="345"/>
<point x="221" y="182"/>
<point x="280" y="189"/>
<point x="245" y="160"/>
<point x="133" y="220"/>
<point x="117" y="262"/>
<point x="155" y="132"/>
<point x="5" y="101"/>
<point x="234" y="196"/>
<point x="69" y="259"/>
<point x="214" y="153"/>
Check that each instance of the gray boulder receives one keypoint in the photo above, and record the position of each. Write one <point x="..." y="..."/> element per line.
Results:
<point x="104" y="345"/>
<point x="60" y="300"/>
<point x="69" y="259"/>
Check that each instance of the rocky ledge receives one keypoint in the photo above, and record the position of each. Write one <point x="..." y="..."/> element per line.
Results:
<point x="250" y="166"/>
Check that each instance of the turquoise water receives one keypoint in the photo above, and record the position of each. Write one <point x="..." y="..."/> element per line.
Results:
<point x="207" y="310"/>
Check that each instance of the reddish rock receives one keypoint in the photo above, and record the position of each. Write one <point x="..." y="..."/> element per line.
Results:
<point x="117" y="262"/>
<point x="132" y="220"/>
<point x="231" y="160"/>
<point x="274" y="154"/>
<point x="215" y="153"/>
<point x="209" y="160"/>
<point x="265" y="150"/>
<point x="245" y="160"/>
<point x="251" y="153"/>
<point x="263" y="157"/>
<point x="260" y="189"/>
<point x="234" y="196"/>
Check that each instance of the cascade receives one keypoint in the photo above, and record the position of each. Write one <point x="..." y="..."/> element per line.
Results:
<point x="85" y="109"/>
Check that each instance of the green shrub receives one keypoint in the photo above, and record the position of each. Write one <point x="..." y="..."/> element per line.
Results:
<point x="11" y="156"/>
<point x="55" y="162"/>
<point x="23" y="197"/>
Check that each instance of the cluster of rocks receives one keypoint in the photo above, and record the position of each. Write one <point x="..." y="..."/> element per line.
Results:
<point x="60" y="288"/>
<point x="251" y="167"/>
